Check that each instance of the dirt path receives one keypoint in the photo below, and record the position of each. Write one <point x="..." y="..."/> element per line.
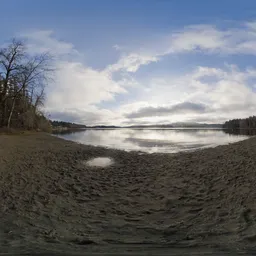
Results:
<point x="50" y="200"/>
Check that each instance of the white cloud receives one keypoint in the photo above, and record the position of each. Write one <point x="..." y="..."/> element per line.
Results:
<point x="78" y="86"/>
<point x="226" y="93"/>
<point x="231" y="87"/>
<point x="194" y="38"/>
<point x="210" y="39"/>
<point x="117" y="47"/>
<point x="229" y="92"/>
<point x="132" y="62"/>
<point x="89" y="115"/>
<point x="200" y="37"/>
<point x="44" y="41"/>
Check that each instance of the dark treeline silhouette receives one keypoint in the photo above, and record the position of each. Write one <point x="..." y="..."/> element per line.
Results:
<point x="245" y="126"/>
<point x="248" y="132"/>
<point x="245" y="123"/>
<point x="22" y="81"/>
<point x="62" y="124"/>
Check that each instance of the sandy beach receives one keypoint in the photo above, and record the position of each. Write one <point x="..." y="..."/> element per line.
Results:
<point x="51" y="201"/>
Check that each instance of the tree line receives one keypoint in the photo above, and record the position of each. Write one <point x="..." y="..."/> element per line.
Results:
<point x="23" y="77"/>
<point x="245" y="123"/>
<point x="57" y="124"/>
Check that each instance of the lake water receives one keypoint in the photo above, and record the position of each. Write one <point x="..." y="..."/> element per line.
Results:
<point x="153" y="140"/>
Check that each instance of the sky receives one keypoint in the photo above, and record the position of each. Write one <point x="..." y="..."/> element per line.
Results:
<point x="141" y="61"/>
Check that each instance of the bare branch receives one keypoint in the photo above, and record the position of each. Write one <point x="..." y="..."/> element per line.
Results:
<point x="23" y="79"/>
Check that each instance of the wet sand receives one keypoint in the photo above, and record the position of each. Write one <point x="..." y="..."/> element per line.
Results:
<point x="51" y="201"/>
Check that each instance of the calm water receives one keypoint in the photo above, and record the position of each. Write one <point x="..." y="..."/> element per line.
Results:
<point x="153" y="140"/>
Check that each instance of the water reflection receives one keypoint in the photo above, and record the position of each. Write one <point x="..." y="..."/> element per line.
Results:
<point x="154" y="140"/>
<point x="248" y="132"/>
<point x="100" y="162"/>
<point x="67" y="131"/>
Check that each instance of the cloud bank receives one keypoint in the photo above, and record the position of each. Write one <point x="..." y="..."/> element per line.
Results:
<point x="120" y="94"/>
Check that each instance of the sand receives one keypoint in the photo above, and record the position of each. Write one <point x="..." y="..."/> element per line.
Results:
<point x="52" y="202"/>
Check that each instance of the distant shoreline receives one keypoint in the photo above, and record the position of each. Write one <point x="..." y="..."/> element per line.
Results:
<point x="197" y="126"/>
<point x="247" y="132"/>
<point x="136" y="128"/>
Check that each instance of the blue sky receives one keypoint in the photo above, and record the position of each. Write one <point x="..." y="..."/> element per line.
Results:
<point x="142" y="61"/>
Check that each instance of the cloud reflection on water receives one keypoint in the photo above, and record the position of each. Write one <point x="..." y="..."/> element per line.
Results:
<point x="153" y="140"/>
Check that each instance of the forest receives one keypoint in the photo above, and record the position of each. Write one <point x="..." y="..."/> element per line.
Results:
<point x="23" y="77"/>
<point x="57" y="124"/>
<point x="245" y="123"/>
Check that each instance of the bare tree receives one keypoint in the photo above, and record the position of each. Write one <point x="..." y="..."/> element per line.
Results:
<point x="31" y="78"/>
<point x="10" y="58"/>
<point x="22" y="83"/>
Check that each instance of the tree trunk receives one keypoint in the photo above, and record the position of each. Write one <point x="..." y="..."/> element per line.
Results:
<point x="3" y="109"/>
<point x="10" y="115"/>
